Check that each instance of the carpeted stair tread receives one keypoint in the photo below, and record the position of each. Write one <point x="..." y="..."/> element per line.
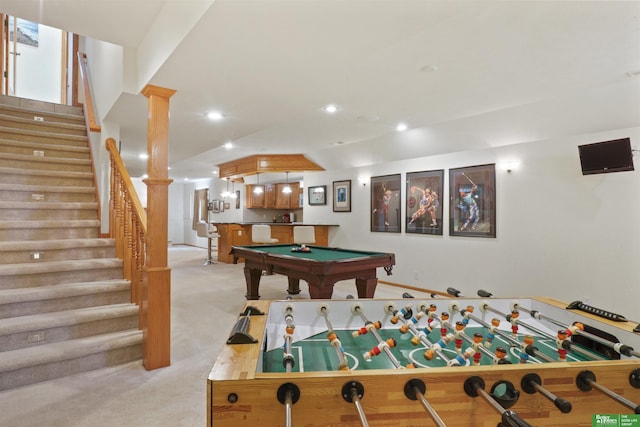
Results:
<point x="35" y="322"/>
<point x="26" y="245"/>
<point x="71" y="112"/>
<point x="44" y="146"/>
<point x="4" y="130"/>
<point x="58" y="266"/>
<point x="45" y="159"/>
<point x="20" y="295"/>
<point x="50" y="205"/>
<point x="79" y="223"/>
<point x="43" y="172"/>
<point x="46" y="188"/>
<point x="62" y="127"/>
<point x="70" y="349"/>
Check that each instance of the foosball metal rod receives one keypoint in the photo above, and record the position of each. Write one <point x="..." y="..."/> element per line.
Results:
<point x="424" y="340"/>
<point x="466" y="337"/>
<point x="486" y="307"/>
<point x="357" y="309"/>
<point x="288" y="358"/>
<point x="474" y="386"/>
<point x="352" y="392"/>
<point x="618" y="347"/>
<point x="288" y="394"/>
<point x="586" y="380"/>
<point x="415" y="389"/>
<point x="342" y="358"/>
<point x="532" y="383"/>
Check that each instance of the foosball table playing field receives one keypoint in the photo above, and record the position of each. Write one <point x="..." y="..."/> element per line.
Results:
<point x="410" y="362"/>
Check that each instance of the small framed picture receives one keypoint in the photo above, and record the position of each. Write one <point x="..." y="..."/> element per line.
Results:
<point x="237" y="199"/>
<point x="342" y="196"/>
<point x="221" y="205"/>
<point x="215" y="206"/>
<point x="318" y="195"/>
<point x="227" y="205"/>
<point x="472" y="201"/>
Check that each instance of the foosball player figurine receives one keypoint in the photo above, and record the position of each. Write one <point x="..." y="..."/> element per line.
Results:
<point x="391" y="342"/>
<point x="491" y="333"/>
<point x="444" y="317"/>
<point x="442" y="343"/>
<point x="526" y="342"/>
<point x="513" y="318"/>
<point x="366" y="328"/>
<point x="458" y="334"/>
<point x="335" y="341"/>
<point x="477" y="342"/>
<point x="462" y="358"/>
<point x="432" y="314"/>
<point x="466" y="313"/>
<point x="563" y="334"/>
<point x="501" y="356"/>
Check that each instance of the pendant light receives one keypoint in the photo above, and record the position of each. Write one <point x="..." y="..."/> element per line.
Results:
<point x="226" y="193"/>
<point x="258" y="188"/>
<point x="233" y="194"/>
<point x="287" y="187"/>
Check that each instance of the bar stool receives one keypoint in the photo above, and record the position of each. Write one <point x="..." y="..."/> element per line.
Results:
<point x="261" y="233"/>
<point x="304" y="234"/>
<point x="203" y="229"/>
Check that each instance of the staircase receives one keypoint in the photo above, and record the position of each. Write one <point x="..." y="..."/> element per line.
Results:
<point x="64" y="305"/>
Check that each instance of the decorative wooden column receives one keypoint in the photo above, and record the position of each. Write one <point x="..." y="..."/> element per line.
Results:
<point x="156" y="288"/>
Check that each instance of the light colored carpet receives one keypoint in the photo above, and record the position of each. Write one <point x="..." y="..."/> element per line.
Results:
<point x="206" y="302"/>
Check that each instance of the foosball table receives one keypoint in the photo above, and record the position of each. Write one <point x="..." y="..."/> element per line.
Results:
<point x="411" y="362"/>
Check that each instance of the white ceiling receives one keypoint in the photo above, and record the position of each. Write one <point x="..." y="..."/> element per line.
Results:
<point x="507" y="72"/>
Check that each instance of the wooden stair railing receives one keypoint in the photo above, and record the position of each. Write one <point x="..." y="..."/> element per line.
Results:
<point x="128" y="223"/>
<point x="89" y="114"/>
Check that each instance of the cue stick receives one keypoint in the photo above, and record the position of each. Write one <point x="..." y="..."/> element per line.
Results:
<point x="618" y="347"/>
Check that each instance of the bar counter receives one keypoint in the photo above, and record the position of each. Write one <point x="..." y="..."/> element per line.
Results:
<point x="239" y="234"/>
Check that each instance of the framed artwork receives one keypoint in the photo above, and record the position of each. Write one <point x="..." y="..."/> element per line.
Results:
<point x="342" y="196"/>
<point x="318" y="195"/>
<point x="221" y="205"/>
<point x="472" y="201"/>
<point x="385" y="203"/>
<point x="215" y="206"/>
<point x="423" y="210"/>
<point x="237" y="199"/>
<point x="227" y="205"/>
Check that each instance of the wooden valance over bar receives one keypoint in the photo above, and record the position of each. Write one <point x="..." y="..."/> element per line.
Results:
<point x="262" y="163"/>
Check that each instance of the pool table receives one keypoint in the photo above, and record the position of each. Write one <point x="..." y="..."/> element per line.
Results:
<point x="321" y="268"/>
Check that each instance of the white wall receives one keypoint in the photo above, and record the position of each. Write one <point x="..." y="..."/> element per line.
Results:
<point x="559" y="233"/>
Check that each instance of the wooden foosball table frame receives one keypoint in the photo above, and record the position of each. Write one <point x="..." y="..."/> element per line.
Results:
<point x="240" y="394"/>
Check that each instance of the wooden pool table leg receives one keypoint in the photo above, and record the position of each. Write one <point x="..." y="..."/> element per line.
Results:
<point x="366" y="287"/>
<point x="320" y="291"/>
<point x="294" y="286"/>
<point x="252" y="277"/>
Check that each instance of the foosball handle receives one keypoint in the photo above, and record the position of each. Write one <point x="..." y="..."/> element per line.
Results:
<point x="454" y="292"/>
<point x="511" y="419"/>
<point x="579" y="305"/>
<point x="239" y="334"/>
<point x="484" y="294"/>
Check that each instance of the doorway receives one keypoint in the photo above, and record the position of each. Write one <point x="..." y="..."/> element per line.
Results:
<point x="35" y="61"/>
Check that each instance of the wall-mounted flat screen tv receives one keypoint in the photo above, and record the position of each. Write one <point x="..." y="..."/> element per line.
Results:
<point x="606" y="156"/>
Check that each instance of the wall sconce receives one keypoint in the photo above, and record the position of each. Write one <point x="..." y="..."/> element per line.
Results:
<point x="510" y="166"/>
<point x="363" y="180"/>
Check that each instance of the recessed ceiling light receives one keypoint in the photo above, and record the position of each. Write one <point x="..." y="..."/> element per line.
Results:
<point x="401" y="127"/>
<point x="368" y="118"/>
<point x="143" y="156"/>
<point x="429" y="68"/>
<point x="215" y="115"/>
<point x="330" y="108"/>
<point x="186" y="179"/>
<point x="228" y="145"/>
<point x="214" y="172"/>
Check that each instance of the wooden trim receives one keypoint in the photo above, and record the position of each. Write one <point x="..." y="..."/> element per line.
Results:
<point x="262" y="163"/>
<point x="88" y="100"/>
<point x="156" y="316"/>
